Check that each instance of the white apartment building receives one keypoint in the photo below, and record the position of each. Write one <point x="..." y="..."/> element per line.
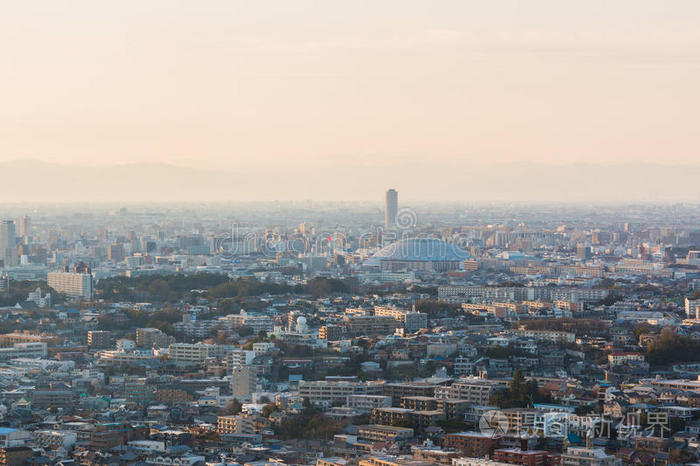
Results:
<point x="34" y="350"/>
<point x="582" y="456"/>
<point x="256" y="322"/>
<point x="121" y="357"/>
<point x="191" y="353"/>
<point x="366" y="403"/>
<point x="326" y="392"/>
<point x="75" y="285"/>
<point x="471" y="389"/>
<point x="261" y="348"/>
<point x="691" y="308"/>
<point x="467" y="461"/>
<point x="410" y="320"/>
<point x="235" y="425"/>
<point x="53" y="439"/>
<point x="554" y="336"/>
<point x="239" y="357"/>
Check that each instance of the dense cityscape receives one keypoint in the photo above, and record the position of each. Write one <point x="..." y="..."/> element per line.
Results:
<point x="349" y="233"/>
<point x="339" y="334"/>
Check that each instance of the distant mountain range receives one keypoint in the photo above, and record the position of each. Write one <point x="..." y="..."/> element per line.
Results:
<point x="36" y="181"/>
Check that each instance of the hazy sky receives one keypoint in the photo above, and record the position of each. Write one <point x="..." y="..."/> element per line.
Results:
<point x="338" y="84"/>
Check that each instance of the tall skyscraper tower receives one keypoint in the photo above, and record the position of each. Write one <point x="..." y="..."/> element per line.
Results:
<point x="8" y="243"/>
<point x="25" y="226"/>
<point x="392" y="207"/>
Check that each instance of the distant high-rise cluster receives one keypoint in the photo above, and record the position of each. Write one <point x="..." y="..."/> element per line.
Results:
<point x="392" y="207"/>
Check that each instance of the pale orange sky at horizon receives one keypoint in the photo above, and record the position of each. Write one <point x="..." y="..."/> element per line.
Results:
<point x="233" y="84"/>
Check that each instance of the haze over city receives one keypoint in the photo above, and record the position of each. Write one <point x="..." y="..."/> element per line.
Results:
<point x="299" y="95"/>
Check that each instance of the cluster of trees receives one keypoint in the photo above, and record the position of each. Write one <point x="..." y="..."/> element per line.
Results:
<point x="162" y="319"/>
<point x="20" y="289"/>
<point x="578" y="326"/>
<point x="248" y="287"/>
<point x="509" y="284"/>
<point x="670" y="348"/>
<point x="429" y="290"/>
<point x="436" y="309"/>
<point x="156" y="288"/>
<point x="521" y="393"/>
<point x="310" y="424"/>
<point x="321" y="286"/>
<point x="172" y="288"/>
<point x="233" y="408"/>
<point x="500" y="352"/>
<point x="609" y="300"/>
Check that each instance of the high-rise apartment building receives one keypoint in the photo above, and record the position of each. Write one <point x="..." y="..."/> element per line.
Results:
<point x="692" y="308"/>
<point x="391" y="208"/>
<point x="243" y="379"/>
<point x="75" y="285"/>
<point x="583" y="252"/>
<point x="99" y="338"/>
<point x="152" y="338"/>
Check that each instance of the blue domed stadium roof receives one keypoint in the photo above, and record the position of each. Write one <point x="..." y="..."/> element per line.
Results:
<point x="418" y="249"/>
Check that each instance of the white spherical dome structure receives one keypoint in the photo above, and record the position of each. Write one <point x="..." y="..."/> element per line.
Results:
<point x="302" y="326"/>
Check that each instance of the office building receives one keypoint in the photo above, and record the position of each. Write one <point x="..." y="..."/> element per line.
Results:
<point x="25" y="226"/>
<point x="115" y="253"/>
<point x="8" y="243"/>
<point x="583" y="252"/>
